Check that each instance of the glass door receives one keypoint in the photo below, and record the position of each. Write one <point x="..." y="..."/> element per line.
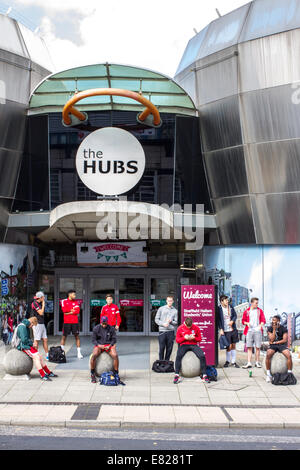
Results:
<point x="132" y="303"/>
<point x="160" y="288"/>
<point x="66" y="284"/>
<point x="98" y="288"/>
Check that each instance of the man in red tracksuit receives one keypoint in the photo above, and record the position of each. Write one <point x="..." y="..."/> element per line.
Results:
<point x="71" y="310"/>
<point x="111" y="311"/>
<point x="187" y="337"/>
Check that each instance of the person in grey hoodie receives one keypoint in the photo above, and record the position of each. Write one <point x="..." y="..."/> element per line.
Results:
<point x="167" y="319"/>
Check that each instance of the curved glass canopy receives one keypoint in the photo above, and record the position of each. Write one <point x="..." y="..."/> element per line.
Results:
<point x="53" y="93"/>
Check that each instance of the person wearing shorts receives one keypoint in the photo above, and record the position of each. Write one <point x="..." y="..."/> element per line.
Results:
<point x="39" y="331"/>
<point x="104" y="339"/>
<point x="226" y="322"/>
<point x="71" y="310"/>
<point x="278" y="338"/>
<point x="26" y="346"/>
<point x="254" y="320"/>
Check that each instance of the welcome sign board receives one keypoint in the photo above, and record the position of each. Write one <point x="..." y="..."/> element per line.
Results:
<point x="198" y="302"/>
<point x="112" y="254"/>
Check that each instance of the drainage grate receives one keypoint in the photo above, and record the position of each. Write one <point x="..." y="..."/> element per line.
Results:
<point x="86" y="412"/>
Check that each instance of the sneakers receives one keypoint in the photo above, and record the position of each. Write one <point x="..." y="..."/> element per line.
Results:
<point x="177" y="379"/>
<point x="46" y="378"/>
<point x="268" y="379"/>
<point x="226" y="364"/>
<point x="79" y="356"/>
<point x="52" y="375"/>
<point x="234" y="364"/>
<point x="247" y="366"/>
<point x="205" y="379"/>
<point x="93" y="378"/>
<point x="258" y="365"/>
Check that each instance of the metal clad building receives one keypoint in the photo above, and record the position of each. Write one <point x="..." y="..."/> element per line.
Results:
<point x="24" y="61"/>
<point x="242" y="71"/>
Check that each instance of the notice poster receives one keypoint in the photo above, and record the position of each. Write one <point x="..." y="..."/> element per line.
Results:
<point x="198" y="302"/>
<point x="112" y="254"/>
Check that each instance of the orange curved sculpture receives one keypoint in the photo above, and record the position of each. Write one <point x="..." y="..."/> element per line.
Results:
<point x="69" y="106"/>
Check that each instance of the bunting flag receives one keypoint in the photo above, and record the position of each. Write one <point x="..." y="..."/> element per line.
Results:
<point x="109" y="257"/>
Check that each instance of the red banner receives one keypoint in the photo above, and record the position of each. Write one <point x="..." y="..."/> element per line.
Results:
<point x="198" y="302"/>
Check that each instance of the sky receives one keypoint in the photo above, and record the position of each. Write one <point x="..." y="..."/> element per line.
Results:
<point x="134" y="32"/>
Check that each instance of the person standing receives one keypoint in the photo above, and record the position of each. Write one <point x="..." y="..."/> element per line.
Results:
<point x="226" y="317"/>
<point x="188" y="336"/>
<point x="278" y="339"/>
<point x="167" y="319"/>
<point x="104" y="339"/>
<point x="39" y="331"/>
<point x="10" y="325"/>
<point x="112" y="312"/>
<point x="71" y="310"/>
<point x="25" y="345"/>
<point x="254" y="320"/>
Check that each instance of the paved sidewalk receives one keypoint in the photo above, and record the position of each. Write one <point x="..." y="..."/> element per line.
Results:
<point x="149" y="399"/>
<point x="150" y="416"/>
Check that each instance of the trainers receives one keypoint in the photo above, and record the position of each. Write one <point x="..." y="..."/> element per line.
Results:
<point x="46" y="378"/>
<point x="234" y="364"/>
<point x="247" y="366"/>
<point x="93" y="378"/>
<point x="226" y="364"/>
<point x="177" y="379"/>
<point x="52" y="375"/>
<point x="205" y="379"/>
<point x="258" y="364"/>
<point x="268" y="379"/>
<point x="79" y="356"/>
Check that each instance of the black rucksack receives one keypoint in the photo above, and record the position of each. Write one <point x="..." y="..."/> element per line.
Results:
<point x="284" y="379"/>
<point x="163" y="367"/>
<point x="57" y="355"/>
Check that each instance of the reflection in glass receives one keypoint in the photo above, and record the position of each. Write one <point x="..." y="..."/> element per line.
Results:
<point x="131" y="292"/>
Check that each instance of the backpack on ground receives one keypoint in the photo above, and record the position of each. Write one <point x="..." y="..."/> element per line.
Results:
<point x="284" y="379"/>
<point x="57" y="355"/>
<point x="15" y="339"/>
<point x="110" y="379"/>
<point x="163" y="367"/>
<point x="212" y="373"/>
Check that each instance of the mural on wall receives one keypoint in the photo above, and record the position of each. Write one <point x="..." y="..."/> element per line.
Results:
<point x="18" y="269"/>
<point x="267" y="272"/>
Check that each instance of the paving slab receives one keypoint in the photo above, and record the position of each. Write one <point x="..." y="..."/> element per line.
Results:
<point x="213" y="416"/>
<point x="134" y="415"/>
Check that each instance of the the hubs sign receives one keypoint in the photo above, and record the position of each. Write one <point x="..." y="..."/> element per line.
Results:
<point x="198" y="302"/>
<point x="110" y="161"/>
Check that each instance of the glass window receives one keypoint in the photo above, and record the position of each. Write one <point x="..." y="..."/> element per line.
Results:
<point x="131" y="294"/>
<point x="99" y="287"/>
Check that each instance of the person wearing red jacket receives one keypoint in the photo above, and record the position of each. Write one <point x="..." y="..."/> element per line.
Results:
<point x="71" y="310"/>
<point x="254" y="320"/>
<point x="188" y="336"/>
<point x="112" y="312"/>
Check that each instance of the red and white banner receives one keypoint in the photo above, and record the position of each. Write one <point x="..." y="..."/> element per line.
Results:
<point x="112" y="254"/>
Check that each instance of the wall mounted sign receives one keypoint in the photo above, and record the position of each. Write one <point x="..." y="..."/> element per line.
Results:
<point x="110" y="161"/>
<point x="198" y="302"/>
<point x="112" y="254"/>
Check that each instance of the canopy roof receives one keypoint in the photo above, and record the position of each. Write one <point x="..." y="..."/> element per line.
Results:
<point x="53" y="92"/>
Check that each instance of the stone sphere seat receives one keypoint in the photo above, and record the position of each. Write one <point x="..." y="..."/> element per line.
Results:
<point x="17" y="363"/>
<point x="278" y="364"/>
<point x="104" y="363"/>
<point x="190" y="365"/>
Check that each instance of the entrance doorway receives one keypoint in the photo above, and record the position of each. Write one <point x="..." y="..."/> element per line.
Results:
<point x="138" y="293"/>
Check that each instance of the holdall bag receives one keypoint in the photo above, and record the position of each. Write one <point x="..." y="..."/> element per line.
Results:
<point x="57" y="355"/>
<point x="212" y="373"/>
<point x="110" y="379"/>
<point x="284" y="379"/>
<point x="163" y="367"/>
<point x="223" y="341"/>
